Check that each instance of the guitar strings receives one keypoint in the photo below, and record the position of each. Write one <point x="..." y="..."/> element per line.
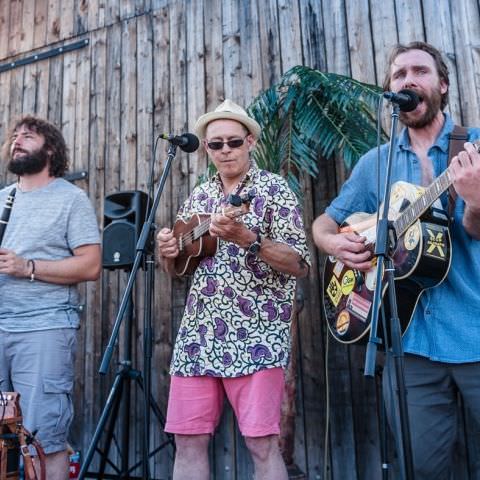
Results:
<point x="199" y="230"/>
<point x="195" y="233"/>
<point x="421" y="204"/>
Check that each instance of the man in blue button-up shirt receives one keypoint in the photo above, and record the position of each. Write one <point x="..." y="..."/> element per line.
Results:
<point x="442" y="343"/>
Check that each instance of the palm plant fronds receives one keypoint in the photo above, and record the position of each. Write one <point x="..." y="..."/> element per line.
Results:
<point x="312" y="114"/>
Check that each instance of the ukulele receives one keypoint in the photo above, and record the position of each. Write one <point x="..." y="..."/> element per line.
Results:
<point x="194" y="241"/>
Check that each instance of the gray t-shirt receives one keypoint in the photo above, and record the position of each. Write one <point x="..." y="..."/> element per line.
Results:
<point x="45" y="224"/>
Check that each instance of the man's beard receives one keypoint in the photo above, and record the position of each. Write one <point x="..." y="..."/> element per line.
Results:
<point x="29" y="163"/>
<point x="433" y="103"/>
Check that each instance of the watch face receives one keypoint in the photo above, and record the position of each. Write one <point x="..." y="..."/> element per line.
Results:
<point x="254" y="247"/>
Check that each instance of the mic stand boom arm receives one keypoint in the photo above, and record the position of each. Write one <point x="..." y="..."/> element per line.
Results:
<point x="385" y="239"/>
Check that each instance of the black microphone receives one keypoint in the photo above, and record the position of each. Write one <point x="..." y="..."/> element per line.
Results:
<point x="406" y="99"/>
<point x="188" y="142"/>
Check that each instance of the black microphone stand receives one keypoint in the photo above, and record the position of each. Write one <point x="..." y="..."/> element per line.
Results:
<point x="385" y="241"/>
<point x="141" y="252"/>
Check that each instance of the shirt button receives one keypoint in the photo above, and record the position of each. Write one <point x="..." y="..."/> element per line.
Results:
<point x="427" y="312"/>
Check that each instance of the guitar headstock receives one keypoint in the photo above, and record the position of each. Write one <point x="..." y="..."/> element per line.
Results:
<point x="238" y="205"/>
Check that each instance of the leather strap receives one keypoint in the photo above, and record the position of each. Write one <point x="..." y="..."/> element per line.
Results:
<point x="27" y="458"/>
<point x="457" y="138"/>
<point x="25" y="438"/>
<point x="12" y="428"/>
<point x="40" y="458"/>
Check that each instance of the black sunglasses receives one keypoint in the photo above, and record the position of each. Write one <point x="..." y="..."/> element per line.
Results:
<point x="235" y="143"/>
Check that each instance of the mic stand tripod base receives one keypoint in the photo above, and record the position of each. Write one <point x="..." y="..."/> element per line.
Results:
<point x="111" y="413"/>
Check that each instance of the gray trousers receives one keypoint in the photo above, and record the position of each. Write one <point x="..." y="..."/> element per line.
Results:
<point x="432" y="408"/>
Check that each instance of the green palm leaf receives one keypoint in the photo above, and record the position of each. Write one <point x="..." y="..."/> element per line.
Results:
<point x="311" y="114"/>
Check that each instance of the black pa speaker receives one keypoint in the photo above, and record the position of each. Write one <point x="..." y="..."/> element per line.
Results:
<point x="123" y="218"/>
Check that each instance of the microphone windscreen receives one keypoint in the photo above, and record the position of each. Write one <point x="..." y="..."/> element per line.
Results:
<point x="192" y="143"/>
<point x="412" y="102"/>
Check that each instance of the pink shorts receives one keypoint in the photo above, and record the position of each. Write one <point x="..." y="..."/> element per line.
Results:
<point x="195" y="404"/>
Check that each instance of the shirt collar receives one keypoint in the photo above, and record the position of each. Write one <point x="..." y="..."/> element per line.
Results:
<point x="442" y="141"/>
<point x="252" y="171"/>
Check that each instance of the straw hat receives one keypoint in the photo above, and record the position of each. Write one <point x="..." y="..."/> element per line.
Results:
<point x="227" y="110"/>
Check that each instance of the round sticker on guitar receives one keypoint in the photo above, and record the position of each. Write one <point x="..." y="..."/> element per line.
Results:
<point x="412" y="237"/>
<point x="348" y="282"/>
<point x="343" y="322"/>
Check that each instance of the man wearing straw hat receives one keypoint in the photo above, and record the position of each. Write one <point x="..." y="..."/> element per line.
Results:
<point x="235" y="333"/>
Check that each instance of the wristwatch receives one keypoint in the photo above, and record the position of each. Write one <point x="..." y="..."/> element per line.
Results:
<point x="254" y="247"/>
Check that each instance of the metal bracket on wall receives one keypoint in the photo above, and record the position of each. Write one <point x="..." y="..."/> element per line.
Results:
<point x="74" y="176"/>
<point x="42" y="56"/>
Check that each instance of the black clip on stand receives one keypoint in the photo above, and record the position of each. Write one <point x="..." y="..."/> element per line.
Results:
<point x="383" y="249"/>
<point x="141" y="251"/>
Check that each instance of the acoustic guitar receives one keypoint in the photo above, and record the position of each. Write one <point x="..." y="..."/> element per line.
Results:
<point x="421" y="257"/>
<point x="194" y="241"/>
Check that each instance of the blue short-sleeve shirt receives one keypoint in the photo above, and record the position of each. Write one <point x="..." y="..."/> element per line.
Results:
<point x="446" y="323"/>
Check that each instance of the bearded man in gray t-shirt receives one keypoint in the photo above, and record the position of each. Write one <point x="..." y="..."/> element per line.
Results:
<point x="50" y="244"/>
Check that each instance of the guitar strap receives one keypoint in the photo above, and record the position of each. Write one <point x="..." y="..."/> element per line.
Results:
<point x="457" y="138"/>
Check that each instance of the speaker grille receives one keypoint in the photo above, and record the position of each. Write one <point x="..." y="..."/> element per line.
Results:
<point x="119" y="241"/>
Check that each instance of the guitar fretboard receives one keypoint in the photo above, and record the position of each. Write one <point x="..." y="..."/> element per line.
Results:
<point x="194" y="234"/>
<point x="203" y="227"/>
<point x="421" y="204"/>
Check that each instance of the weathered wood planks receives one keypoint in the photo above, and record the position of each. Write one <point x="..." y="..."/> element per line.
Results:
<point x="153" y="66"/>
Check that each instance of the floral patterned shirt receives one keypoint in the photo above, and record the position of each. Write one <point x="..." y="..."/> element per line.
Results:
<point x="238" y="310"/>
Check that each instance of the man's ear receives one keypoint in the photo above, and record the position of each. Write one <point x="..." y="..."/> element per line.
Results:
<point x="443" y="87"/>
<point x="251" y="143"/>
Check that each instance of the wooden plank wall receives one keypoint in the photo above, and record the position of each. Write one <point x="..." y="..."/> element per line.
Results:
<point x="153" y="66"/>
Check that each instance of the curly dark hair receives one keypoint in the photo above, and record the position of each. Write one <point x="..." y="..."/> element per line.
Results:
<point x="54" y="142"/>
<point x="442" y="68"/>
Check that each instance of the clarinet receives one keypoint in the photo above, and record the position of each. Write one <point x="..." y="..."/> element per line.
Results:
<point x="6" y="213"/>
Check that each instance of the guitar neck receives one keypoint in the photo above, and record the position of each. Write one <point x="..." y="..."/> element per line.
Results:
<point x="202" y="228"/>
<point x="423" y="203"/>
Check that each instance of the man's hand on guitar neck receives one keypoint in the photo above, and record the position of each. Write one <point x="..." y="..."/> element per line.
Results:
<point x="231" y="230"/>
<point x="348" y="247"/>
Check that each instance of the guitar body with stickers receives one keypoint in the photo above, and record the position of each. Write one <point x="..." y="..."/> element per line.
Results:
<point x="421" y="257"/>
